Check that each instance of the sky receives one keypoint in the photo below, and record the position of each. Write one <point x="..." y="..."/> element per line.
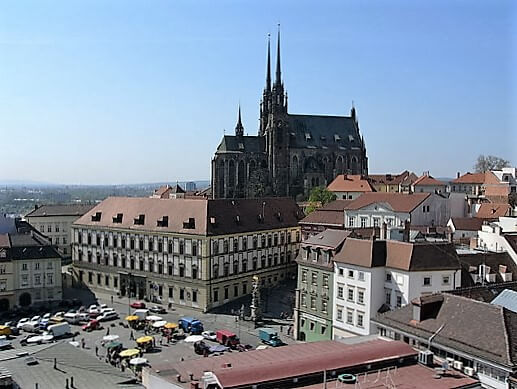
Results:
<point x="126" y="91"/>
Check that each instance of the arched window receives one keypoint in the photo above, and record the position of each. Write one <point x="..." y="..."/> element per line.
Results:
<point x="339" y="165"/>
<point x="241" y="174"/>
<point x="251" y="167"/>
<point x="220" y="177"/>
<point x="231" y="173"/>
<point x="353" y="167"/>
<point x="294" y="167"/>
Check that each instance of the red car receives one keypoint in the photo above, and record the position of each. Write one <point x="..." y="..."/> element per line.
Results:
<point x="91" y="325"/>
<point x="137" y="305"/>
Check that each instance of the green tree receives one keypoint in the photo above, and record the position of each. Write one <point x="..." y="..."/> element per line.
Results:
<point x="490" y="162"/>
<point x="319" y="197"/>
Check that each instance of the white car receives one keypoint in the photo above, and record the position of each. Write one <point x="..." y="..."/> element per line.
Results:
<point x="22" y="322"/>
<point x="103" y="306"/>
<point x="36" y="318"/>
<point x="110" y="315"/>
<point x="106" y="309"/>
<point x="209" y="335"/>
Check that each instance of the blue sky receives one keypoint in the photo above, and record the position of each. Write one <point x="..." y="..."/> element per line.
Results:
<point x="99" y="91"/>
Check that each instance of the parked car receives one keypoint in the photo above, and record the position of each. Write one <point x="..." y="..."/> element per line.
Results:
<point x="137" y="304"/>
<point x="21" y="322"/>
<point x="157" y="309"/>
<point x="110" y="315"/>
<point x="91" y="325"/>
<point x="58" y="317"/>
<point x="72" y="318"/>
<point x="209" y="335"/>
<point x="36" y="318"/>
<point x="269" y="336"/>
<point x="44" y="321"/>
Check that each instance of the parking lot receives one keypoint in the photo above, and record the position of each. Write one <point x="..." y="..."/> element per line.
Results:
<point x="164" y="352"/>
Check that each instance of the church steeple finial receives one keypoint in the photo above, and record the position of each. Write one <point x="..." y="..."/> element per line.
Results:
<point x="268" y="72"/>
<point x="239" y="128"/>
<point x="278" y="71"/>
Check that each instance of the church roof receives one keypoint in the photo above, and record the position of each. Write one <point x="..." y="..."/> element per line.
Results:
<point x="249" y="144"/>
<point x="320" y="131"/>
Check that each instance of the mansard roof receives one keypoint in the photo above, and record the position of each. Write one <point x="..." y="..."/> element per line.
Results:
<point x="320" y="131"/>
<point x="242" y="144"/>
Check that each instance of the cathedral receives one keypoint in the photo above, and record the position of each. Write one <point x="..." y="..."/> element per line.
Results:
<point x="291" y="153"/>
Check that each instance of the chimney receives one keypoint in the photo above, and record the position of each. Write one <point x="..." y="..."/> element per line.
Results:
<point x="344" y="177"/>
<point x="384" y="231"/>
<point x="36" y="206"/>
<point x="458" y="175"/>
<point x="407" y="229"/>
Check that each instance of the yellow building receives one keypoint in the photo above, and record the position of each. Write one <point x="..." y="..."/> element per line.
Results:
<point x="30" y="267"/>
<point x="199" y="253"/>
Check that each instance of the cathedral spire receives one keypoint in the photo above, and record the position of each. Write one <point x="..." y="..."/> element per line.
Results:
<point x="268" y="72"/>
<point x="278" y="72"/>
<point x="239" y="128"/>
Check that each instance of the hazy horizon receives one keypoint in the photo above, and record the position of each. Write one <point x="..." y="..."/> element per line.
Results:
<point x="102" y="93"/>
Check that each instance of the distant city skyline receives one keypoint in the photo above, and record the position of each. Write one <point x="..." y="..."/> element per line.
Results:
<point x="96" y="92"/>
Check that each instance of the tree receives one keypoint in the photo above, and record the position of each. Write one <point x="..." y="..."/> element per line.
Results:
<point x="319" y="197"/>
<point x="490" y="162"/>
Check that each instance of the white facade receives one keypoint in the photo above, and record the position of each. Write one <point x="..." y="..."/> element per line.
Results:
<point x="434" y="210"/>
<point x="359" y="292"/>
<point x="40" y="278"/>
<point x="491" y="236"/>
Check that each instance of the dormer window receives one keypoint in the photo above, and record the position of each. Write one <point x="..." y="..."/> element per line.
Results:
<point x="118" y="218"/>
<point x="237" y="219"/>
<point x="163" y="222"/>
<point x="190" y="223"/>
<point x="241" y="146"/>
<point x="308" y="136"/>
<point x="140" y="220"/>
<point x="260" y="218"/>
<point x="212" y="221"/>
<point x="351" y="138"/>
<point x="97" y="217"/>
<point x="337" y="138"/>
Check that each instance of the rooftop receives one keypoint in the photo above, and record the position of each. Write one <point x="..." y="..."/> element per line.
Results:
<point x="193" y="216"/>
<point x="60" y="210"/>
<point x="467" y="223"/>
<point x="473" y="327"/>
<point x="362" y="252"/>
<point x="331" y="239"/>
<point x="275" y="364"/>
<point x="399" y="202"/>
<point x="331" y="214"/>
<point x="350" y="183"/>
<point x="427" y="180"/>
<point x="392" y="179"/>
<point x="493" y="210"/>
<point x="476" y="178"/>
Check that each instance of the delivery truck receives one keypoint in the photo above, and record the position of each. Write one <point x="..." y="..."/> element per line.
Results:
<point x="191" y="325"/>
<point x="59" y="330"/>
<point x="269" y="336"/>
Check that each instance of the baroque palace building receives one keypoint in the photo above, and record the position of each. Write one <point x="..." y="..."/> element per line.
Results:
<point x="198" y="253"/>
<point x="291" y="153"/>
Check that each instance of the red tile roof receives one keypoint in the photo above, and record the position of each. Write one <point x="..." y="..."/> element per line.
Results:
<point x="331" y="214"/>
<point x="421" y="256"/>
<point x="399" y="202"/>
<point x="350" y="183"/>
<point x="362" y="252"/>
<point x="493" y="211"/>
<point x="274" y="364"/>
<point x="467" y="223"/>
<point x="4" y="241"/>
<point x="391" y="179"/>
<point x="427" y="180"/>
<point x="477" y="178"/>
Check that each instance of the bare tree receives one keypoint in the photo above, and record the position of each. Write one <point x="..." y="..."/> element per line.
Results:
<point x="490" y="162"/>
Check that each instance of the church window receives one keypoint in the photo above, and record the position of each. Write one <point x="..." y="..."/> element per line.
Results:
<point x="294" y="166"/>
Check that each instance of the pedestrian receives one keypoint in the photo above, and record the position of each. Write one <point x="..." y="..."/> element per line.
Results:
<point x="131" y="335"/>
<point x="111" y="300"/>
<point x="281" y="328"/>
<point x="83" y="343"/>
<point x="154" y="342"/>
<point x="96" y="351"/>
<point x="161" y="341"/>
<point x="107" y="331"/>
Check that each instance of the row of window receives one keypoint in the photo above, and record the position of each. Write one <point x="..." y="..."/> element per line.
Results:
<point x="272" y="260"/>
<point x="142" y="243"/>
<point x="314" y="278"/>
<point x="313" y="303"/>
<point x="312" y="326"/>
<point x="140" y="265"/>
<point x="37" y="266"/>
<point x="351" y="273"/>
<point x="351" y="296"/>
<point x="56" y="239"/>
<point x="56" y="227"/>
<point x="225" y="246"/>
<point x="376" y="221"/>
<point x="316" y="253"/>
<point x="353" y="317"/>
<point x="39" y="280"/>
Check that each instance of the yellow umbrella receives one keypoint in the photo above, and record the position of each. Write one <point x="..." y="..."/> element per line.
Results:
<point x="132" y="352"/>
<point x="170" y="326"/>
<point x="144" y="339"/>
<point x="132" y="318"/>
